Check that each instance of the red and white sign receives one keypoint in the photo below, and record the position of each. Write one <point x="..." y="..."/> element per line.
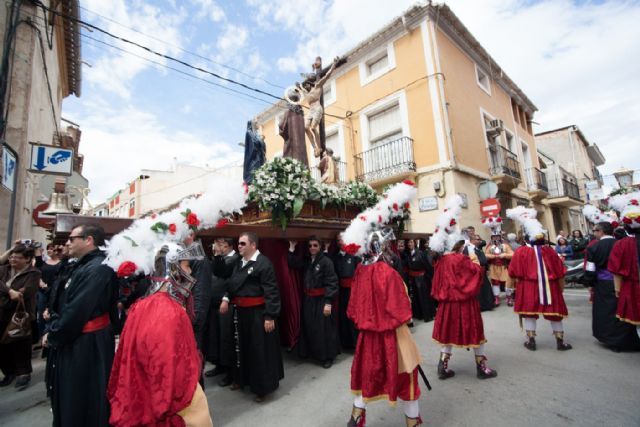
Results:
<point x="490" y="207"/>
<point x="44" y="221"/>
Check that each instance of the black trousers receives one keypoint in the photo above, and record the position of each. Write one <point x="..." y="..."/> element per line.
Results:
<point x="15" y="357"/>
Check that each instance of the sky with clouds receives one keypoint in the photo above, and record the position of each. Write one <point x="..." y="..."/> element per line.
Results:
<point x="578" y="61"/>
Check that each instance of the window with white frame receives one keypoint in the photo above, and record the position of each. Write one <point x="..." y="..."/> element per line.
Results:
<point x="332" y="140"/>
<point x="385" y="125"/>
<point x="483" y="80"/>
<point x="132" y="203"/>
<point x="329" y="92"/>
<point x="511" y="144"/>
<point x="377" y="64"/>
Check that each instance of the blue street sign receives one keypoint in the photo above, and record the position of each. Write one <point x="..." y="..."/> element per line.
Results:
<point x="8" y="169"/>
<point x="51" y="160"/>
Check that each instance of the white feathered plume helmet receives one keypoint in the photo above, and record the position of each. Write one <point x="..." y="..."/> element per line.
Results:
<point x="447" y="233"/>
<point x="493" y="223"/>
<point x="527" y="218"/>
<point x="628" y="205"/>
<point x="389" y="207"/>
<point x="595" y="215"/>
<point x="133" y="250"/>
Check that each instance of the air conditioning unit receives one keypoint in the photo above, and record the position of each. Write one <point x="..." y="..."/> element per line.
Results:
<point x="495" y="127"/>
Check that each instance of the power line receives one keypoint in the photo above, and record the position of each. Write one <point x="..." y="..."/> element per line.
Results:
<point x="182" y="49"/>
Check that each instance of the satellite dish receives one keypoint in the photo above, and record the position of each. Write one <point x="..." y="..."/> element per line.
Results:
<point x="487" y="190"/>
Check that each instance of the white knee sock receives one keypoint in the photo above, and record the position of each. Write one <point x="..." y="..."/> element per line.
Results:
<point x="411" y="408"/>
<point x="530" y="324"/>
<point x="447" y="349"/>
<point x="557" y="326"/>
<point x="509" y="291"/>
<point x="496" y="290"/>
<point x="358" y="402"/>
<point x="479" y="351"/>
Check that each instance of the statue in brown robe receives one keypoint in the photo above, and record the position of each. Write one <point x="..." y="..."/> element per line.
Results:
<point x="291" y="128"/>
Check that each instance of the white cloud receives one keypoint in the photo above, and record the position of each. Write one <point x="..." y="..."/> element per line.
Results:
<point x="128" y="140"/>
<point x="210" y="9"/>
<point x="232" y="39"/>
<point x="115" y="70"/>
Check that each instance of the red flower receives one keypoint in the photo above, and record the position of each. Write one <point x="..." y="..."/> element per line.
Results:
<point x="126" y="269"/>
<point x="351" y="248"/>
<point x="407" y="205"/>
<point x="363" y="218"/>
<point x="498" y="219"/>
<point x="446" y="209"/>
<point x="615" y="224"/>
<point x="437" y="229"/>
<point x="452" y="222"/>
<point x="637" y="219"/>
<point x="172" y="228"/>
<point x="484" y="220"/>
<point x="395" y="206"/>
<point x="379" y="218"/>
<point x="634" y="202"/>
<point x="490" y="219"/>
<point x="627" y="220"/>
<point x="222" y="222"/>
<point x="192" y="219"/>
<point x="246" y="188"/>
<point x="154" y="216"/>
<point x="409" y="182"/>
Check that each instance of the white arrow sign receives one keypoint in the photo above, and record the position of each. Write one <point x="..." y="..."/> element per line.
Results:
<point x="51" y="160"/>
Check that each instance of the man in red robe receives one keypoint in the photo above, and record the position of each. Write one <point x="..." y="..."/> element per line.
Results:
<point x="539" y="272"/>
<point x="154" y="378"/>
<point x="385" y="364"/>
<point x="456" y="285"/>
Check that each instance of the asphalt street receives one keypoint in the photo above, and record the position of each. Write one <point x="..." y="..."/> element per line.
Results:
<point x="587" y="386"/>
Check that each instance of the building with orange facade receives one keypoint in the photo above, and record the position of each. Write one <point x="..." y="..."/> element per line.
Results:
<point x="422" y="99"/>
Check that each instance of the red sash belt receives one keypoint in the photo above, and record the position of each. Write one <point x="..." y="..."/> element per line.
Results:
<point x="96" y="324"/>
<point x="245" y="302"/>
<point x="416" y="273"/>
<point x="315" y="292"/>
<point x="496" y="262"/>
<point x="346" y="282"/>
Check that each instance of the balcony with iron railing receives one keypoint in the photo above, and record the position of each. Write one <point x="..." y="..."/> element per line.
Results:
<point x="537" y="183"/>
<point x="504" y="167"/>
<point x="563" y="190"/>
<point x="341" y="168"/>
<point x="386" y="162"/>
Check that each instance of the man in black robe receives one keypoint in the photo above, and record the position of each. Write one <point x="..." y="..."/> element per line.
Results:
<point x="345" y="266"/>
<point x="219" y="348"/>
<point x="318" y="337"/>
<point x="253" y="298"/>
<point x="606" y="327"/>
<point x="201" y="291"/>
<point x="80" y="333"/>
<point x="420" y="272"/>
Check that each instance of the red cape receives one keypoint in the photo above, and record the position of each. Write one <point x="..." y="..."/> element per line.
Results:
<point x="456" y="278"/>
<point x="379" y="300"/>
<point x="156" y="367"/>
<point x="623" y="261"/>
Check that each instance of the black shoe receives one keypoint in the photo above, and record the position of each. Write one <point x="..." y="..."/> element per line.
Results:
<point x="214" y="372"/>
<point x="530" y="344"/>
<point x="226" y="381"/>
<point x="23" y="382"/>
<point x="7" y="380"/>
<point x="327" y="364"/>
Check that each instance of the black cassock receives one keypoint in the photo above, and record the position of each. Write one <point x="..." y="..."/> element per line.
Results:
<point x="318" y="337"/>
<point x="486" y="297"/>
<point x="81" y="362"/>
<point x="201" y="291"/>
<point x="219" y="329"/>
<point x="605" y="325"/>
<point x="345" y="266"/>
<point x="257" y="360"/>
<point x="420" y="272"/>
